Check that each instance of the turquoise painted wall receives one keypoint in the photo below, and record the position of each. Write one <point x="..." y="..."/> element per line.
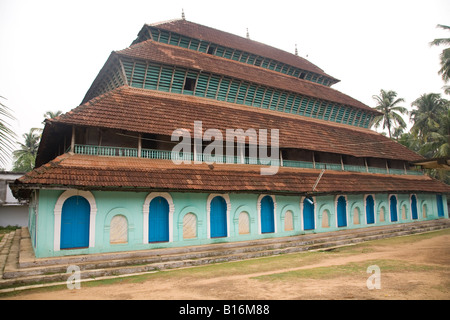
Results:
<point x="130" y="205"/>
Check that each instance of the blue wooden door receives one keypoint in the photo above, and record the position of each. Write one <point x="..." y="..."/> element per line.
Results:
<point x="414" y="207"/>
<point x="75" y="218"/>
<point x="308" y="214"/>
<point x="267" y="215"/>
<point x="393" y="201"/>
<point x="370" y="210"/>
<point x="342" y="212"/>
<point x="440" y="205"/>
<point x="158" y="220"/>
<point x="218" y="218"/>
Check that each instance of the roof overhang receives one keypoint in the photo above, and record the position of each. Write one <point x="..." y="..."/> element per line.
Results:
<point x="436" y="163"/>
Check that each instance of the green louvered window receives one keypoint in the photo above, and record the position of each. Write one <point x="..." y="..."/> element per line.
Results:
<point x="223" y="89"/>
<point x="203" y="46"/>
<point x="236" y="55"/>
<point x="250" y="95"/>
<point x="228" y="53"/>
<point x="178" y="80"/>
<point x="267" y="98"/>
<point x="309" y="108"/>
<point x="184" y="42"/>
<point x="242" y="92"/>
<point x="174" y="39"/>
<point x="303" y="105"/>
<point x="244" y="57"/>
<point x="151" y="80"/>
<point x="282" y="101"/>
<point x="128" y="67"/>
<point x="139" y="75"/>
<point x="165" y="79"/>
<point x="164" y="36"/>
<point x="259" y="95"/>
<point x="213" y="85"/>
<point x="275" y="99"/>
<point x="233" y="91"/>
<point x="202" y="84"/>
<point x="194" y="45"/>
<point x="329" y="107"/>
<point x="153" y="76"/>
<point x="295" y="103"/>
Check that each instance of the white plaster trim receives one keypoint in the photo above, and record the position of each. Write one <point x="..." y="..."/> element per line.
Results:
<point x="258" y="205"/>
<point x="146" y="211"/>
<point x="208" y="212"/>
<point x="58" y="211"/>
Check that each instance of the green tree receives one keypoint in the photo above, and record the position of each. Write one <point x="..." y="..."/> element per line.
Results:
<point x="25" y="157"/>
<point x="426" y="118"/>
<point x="444" y="56"/>
<point x="52" y="115"/>
<point x="391" y="117"/>
<point x="437" y="143"/>
<point x="7" y="136"/>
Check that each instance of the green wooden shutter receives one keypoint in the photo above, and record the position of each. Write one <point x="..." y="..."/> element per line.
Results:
<point x="151" y="81"/>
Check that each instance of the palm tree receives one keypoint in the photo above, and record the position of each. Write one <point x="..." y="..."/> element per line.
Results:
<point x="445" y="56"/>
<point x="25" y="157"/>
<point x="391" y="117"/>
<point x="7" y="136"/>
<point x="426" y="118"/>
<point x="52" y="115"/>
<point x="438" y="142"/>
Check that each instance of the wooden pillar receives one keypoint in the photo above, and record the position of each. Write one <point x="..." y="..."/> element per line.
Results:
<point x="72" y="143"/>
<point x="314" y="160"/>
<point x="139" y="145"/>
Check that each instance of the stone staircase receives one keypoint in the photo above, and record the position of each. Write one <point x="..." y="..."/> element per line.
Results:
<point x="19" y="267"/>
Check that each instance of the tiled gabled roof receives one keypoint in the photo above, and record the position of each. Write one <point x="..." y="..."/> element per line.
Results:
<point x="162" y="53"/>
<point x="226" y="39"/>
<point x="145" y="111"/>
<point x="139" y="174"/>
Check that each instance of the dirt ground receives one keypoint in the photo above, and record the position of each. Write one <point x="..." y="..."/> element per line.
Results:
<point x="409" y="270"/>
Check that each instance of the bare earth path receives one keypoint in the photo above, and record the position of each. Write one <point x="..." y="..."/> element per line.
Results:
<point x="410" y="269"/>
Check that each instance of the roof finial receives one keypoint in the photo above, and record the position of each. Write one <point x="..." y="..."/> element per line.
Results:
<point x="248" y="34"/>
<point x="182" y="14"/>
<point x="296" y="50"/>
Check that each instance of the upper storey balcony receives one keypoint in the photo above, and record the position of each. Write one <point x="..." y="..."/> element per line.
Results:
<point x="191" y="157"/>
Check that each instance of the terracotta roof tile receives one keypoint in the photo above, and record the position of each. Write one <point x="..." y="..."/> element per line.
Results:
<point x="163" y="53"/>
<point x="113" y="173"/>
<point x="226" y="39"/>
<point x="145" y="111"/>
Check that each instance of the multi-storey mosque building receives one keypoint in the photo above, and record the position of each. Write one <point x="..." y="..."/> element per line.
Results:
<point x="111" y="177"/>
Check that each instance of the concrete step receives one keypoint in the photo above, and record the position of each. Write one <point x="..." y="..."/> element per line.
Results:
<point x="30" y="271"/>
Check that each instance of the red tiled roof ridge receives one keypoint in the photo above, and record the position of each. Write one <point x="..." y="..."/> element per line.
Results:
<point x="241" y="71"/>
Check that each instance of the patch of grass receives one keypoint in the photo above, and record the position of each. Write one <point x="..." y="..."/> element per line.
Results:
<point x="350" y="269"/>
<point x="282" y="262"/>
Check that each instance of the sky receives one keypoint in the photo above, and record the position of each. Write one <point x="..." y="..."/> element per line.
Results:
<point x="52" y="50"/>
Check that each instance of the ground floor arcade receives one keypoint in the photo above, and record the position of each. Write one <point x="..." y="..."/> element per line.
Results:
<point x="66" y="222"/>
